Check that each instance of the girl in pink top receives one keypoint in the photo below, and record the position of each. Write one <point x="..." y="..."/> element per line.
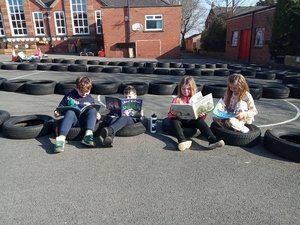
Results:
<point x="238" y="99"/>
<point x="186" y="89"/>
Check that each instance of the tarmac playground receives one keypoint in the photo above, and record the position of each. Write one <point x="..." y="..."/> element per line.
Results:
<point x="144" y="179"/>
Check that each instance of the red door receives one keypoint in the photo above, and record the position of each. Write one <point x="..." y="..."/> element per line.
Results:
<point x="245" y="44"/>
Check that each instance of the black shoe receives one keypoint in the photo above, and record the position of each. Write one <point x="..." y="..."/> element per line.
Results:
<point x="107" y="135"/>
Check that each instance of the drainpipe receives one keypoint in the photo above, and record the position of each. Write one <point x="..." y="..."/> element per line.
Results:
<point x="128" y="21"/>
<point x="251" y="37"/>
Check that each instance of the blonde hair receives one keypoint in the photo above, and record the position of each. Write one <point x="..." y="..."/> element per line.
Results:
<point x="187" y="81"/>
<point x="83" y="84"/>
<point x="242" y="87"/>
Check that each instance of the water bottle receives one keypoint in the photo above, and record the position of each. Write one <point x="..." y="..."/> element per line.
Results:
<point x="153" y="120"/>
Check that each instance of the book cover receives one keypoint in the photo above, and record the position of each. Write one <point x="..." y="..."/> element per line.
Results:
<point x="198" y="105"/>
<point x="124" y="107"/>
<point x="221" y="112"/>
<point x="79" y="111"/>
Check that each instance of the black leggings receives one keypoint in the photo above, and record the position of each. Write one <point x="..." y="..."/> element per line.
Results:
<point x="178" y="124"/>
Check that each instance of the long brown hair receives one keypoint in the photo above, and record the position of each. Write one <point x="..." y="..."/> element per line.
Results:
<point x="187" y="81"/>
<point x="240" y="82"/>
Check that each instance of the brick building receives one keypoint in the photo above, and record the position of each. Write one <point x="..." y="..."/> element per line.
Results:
<point x="249" y="35"/>
<point x="123" y="28"/>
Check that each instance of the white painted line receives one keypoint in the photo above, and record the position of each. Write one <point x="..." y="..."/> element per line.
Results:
<point x="286" y="121"/>
<point x="27" y="75"/>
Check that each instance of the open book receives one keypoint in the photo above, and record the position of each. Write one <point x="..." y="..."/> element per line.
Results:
<point x="198" y="105"/>
<point x="124" y="107"/>
<point x="79" y="111"/>
<point x="221" y="112"/>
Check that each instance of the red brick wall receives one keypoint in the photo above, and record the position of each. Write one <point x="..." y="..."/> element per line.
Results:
<point x="157" y="44"/>
<point x="261" y="19"/>
<point x="114" y="30"/>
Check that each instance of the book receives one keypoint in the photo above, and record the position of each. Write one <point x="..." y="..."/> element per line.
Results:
<point x="198" y="105"/>
<point x="124" y="107"/>
<point x="221" y="112"/>
<point x="79" y="111"/>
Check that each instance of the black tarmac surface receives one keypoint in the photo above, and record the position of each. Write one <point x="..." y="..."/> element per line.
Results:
<point x="144" y="179"/>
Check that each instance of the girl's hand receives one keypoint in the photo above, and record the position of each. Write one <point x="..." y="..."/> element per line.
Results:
<point x="241" y="115"/>
<point x="202" y="114"/>
<point x="56" y="114"/>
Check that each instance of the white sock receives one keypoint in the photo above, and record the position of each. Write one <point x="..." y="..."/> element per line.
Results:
<point x="60" y="138"/>
<point x="88" y="132"/>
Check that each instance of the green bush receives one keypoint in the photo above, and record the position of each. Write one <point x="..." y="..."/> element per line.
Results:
<point x="286" y="29"/>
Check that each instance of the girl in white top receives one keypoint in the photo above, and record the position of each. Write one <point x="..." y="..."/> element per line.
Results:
<point x="238" y="100"/>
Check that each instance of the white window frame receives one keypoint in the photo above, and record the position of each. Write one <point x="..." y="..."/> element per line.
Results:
<point x="18" y="26"/>
<point x="259" y="37"/>
<point x="98" y="21"/>
<point x="80" y="25"/>
<point x="154" y="17"/>
<point x="2" y="32"/>
<point x="235" y="38"/>
<point x="59" y="21"/>
<point x="39" y="25"/>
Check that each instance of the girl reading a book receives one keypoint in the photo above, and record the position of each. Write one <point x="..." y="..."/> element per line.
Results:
<point x="238" y="100"/>
<point x="186" y="89"/>
<point x="117" y="122"/>
<point x="79" y="97"/>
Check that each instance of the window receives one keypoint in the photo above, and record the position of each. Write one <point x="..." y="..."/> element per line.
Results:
<point x="60" y="23"/>
<point x="38" y="23"/>
<point x="79" y="15"/>
<point x="259" y="37"/>
<point x="154" y="22"/>
<point x="98" y="18"/>
<point x="2" y="34"/>
<point x="234" y="40"/>
<point x="17" y="17"/>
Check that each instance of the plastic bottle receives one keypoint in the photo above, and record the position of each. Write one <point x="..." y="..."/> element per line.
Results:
<point x="153" y="120"/>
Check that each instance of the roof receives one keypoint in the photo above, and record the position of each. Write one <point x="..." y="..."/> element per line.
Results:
<point x="45" y="3"/>
<point x="238" y="10"/>
<point x="115" y="3"/>
<point x="134" y="3"/>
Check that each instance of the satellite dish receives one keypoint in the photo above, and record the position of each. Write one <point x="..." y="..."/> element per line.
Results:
<point x="137" y="27"/>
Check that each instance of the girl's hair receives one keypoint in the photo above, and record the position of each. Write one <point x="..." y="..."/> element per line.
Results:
<point x="83" y="84"/>
<point x="128" y="89"/>
<point x="187" y="81"/>
<point x="242" y="86"/>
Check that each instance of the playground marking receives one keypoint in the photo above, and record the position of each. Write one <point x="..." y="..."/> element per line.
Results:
<point x="27" y="75"/>
<point x="286" y="121"/>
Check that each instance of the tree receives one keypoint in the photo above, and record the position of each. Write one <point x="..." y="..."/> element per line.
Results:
<point x="192" y="17"/>
<point x="286" y="29"/>
<point x="266" y="2"/>
<point x="230" y="5"/>
<point x="214" y="38"/>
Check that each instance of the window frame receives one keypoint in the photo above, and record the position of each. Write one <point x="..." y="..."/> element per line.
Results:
<point x="147" y="19"/>
<point x="259" y="38"/>
<point x="2" y="31"/>
<point x="37" y="28"/>
<point x="235" y="38"/>
<point x="21" y="29"/>
<point x="98" y="25"/>
<point x="59" y="20"/>
<point x="82" y="23"/>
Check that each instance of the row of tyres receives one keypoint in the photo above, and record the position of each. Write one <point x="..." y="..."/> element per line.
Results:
<point x="46" y="87"/>
<point x="282" y="141"/>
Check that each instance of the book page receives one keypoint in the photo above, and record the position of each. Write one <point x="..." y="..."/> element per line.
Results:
<point x="113" y="105"/>
<point x="221" y="112"/>
<point x="183" y="111"/>
<point x="204" y="105"/>
<point x="132" y="107"/>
